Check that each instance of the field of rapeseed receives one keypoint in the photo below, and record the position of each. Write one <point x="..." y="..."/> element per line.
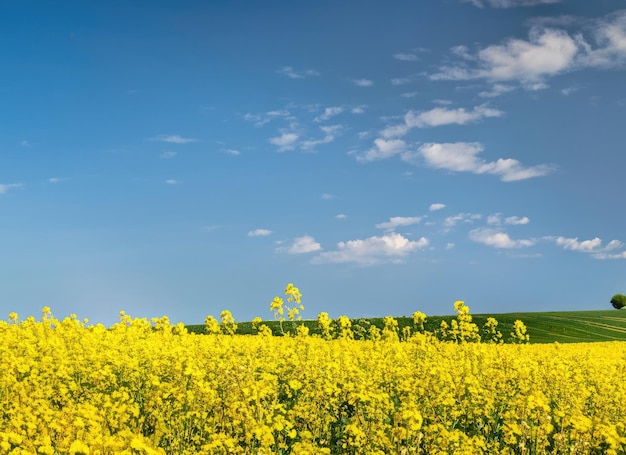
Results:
<point x="149" y="387"/>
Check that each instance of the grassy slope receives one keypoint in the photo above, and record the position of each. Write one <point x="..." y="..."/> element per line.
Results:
<point x="545" y="327"/>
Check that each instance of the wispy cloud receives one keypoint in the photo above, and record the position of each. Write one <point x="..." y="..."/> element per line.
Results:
<point x="547" y="52"/>
<point x="573" y="244"/>
<point x="55" y="180"/>
<point x="400" y="80"/>
<point x="496" y="90"/>
<point x="462" y="157"/>
<point x="467" y="218"/>
<point x="440" y="116"/>
<point x="172" y="182"/>
<point x="358" y="109"/>
<point x="174" y="139"/>
<point x="593" y="247"/>
<point x="327" y="196"/>
<point x="341" y="216"/>
<point x="436" y="206"/>
<point x="382" y="149"/>
<point x="621" y="255"/>
<point x="516" y="220"/>
<point x="4" y="187"/>
<point x="496" y="220"/>
<point x="373" y="250"/>
<point x="508" y="3"/>
<point x="569" y="90"/>
<point x="286" y="141"/>
<point x="498" y="239"/>
<point x="363" y="82"/>
<point x="301" y="245"/>
<point x="259" y="233"/>
<point x="167" y="155"/>
<point x="232" y="152"/>
<point x="266" y="117"/>
<point x="399" y="221"/>
<point x="290" y="72"/>
<point x="406" y="56"/>
<point x="331" y="133"/>
<point x="329" y="113"/>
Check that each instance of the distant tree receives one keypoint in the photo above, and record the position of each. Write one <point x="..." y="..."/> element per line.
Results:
<point x="618" y="301"/>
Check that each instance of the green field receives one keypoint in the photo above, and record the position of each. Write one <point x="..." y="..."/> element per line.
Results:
<point x="543" y="327"/>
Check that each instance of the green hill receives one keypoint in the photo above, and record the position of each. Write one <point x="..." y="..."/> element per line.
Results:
<point x="543" y="327"/>
<point x="570" y="326"/>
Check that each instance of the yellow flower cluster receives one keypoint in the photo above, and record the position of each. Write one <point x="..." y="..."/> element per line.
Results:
<point x="149" y="387"/>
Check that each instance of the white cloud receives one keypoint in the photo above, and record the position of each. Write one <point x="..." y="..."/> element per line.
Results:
<point x="286" y="140"/>
<point x="341" y="216"/>
<point x="613" y="244"/>
<point x="461" y="157"/>
<point x="363" y="82"/>
<point x="363" y="134"/>
<point x="406" y="56"/>
<point x="440" y="116"/>
<point x="610" y="35"/>
<point x="498" y="239"/>
<point x="387" y="248"/>
<point x="585" y="246"/>
<point x="496" y="219"/>
<point x="290" y="72"/>
<point x="232" y="152"/>
<point x="496" y="90"/>
<point x="400" y="81"/>
<point x="516" y="220"/>
<point x="301" y="245"/>
<point x="167" y="155"/>
<point x="546" y="53"/>
<point x="593" y="247"/>
<point x="398" y="130"/>
<point x="55" y="180"/>
<point x="310" y="144"/>
<point x="327" y="196"/>
<point x="331" y="132"/>
<point x="174" y="139"/>
<point x="621" y="255"/>
<point x="8" y="186"/>
<point x="398" y="221"/>
<point x="358" y="109"/>
<point x="382" y="149"/>
<point x="508" y="3"/>
<point x="172" y="182"/>
<point x="461" y="218"/>
<point x="569" y="90"/>
<point x="259" y="233"/>
<point x="328" y="113"/>
<point x="449" y="246"/>
<point x="265" y="117"/>
<point x="443" y="116"/>
<point x="435" y="207"/>
<point x="409" y="94"/>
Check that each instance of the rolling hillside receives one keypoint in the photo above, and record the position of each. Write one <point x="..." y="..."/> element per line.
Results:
<point x="543" y="327"/>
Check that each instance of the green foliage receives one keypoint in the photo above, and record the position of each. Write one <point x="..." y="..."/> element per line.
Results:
<point x="618" y="301"/>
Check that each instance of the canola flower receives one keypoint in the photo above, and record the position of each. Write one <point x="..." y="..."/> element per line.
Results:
<point x="149" y="387"/>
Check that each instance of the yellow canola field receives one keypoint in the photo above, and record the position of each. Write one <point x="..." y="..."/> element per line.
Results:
<point x="139" y="388"/>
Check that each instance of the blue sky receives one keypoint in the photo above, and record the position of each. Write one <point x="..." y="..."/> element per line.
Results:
<point x="181" y="158"/>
